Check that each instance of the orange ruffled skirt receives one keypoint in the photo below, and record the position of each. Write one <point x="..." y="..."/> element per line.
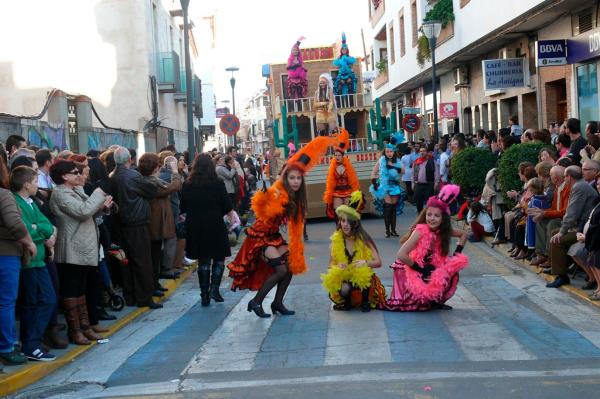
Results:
<point x="249" y="269"/>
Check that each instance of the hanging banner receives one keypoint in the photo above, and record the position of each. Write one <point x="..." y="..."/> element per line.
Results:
<point x="448" y="110"/>
<point x="505" y="73"/>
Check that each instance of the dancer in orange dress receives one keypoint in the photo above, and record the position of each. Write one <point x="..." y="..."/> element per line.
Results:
<point x="341" y="179"/>
<point x="265" y="259"/>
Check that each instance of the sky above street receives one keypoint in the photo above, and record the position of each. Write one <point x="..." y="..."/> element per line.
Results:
<point x="250" y="33"/>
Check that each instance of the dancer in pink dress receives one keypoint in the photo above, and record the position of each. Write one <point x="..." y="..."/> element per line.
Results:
<point x="425" y="277"/>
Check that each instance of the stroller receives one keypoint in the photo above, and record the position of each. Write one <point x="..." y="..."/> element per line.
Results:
<point x="116" y="257"/>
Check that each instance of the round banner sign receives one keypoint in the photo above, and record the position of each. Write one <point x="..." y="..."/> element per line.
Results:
<point x="230" y="124"/>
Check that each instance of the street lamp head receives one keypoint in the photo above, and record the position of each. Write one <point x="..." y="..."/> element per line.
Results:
<point x="432" y="29"/>
<point x="232" y="69"/>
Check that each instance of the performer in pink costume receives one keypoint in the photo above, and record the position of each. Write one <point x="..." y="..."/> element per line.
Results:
<point x="425" y="277"/>
<point x="297" y="83"/>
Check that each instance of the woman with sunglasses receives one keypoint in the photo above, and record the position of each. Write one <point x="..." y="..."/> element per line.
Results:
<point x="76" y="248"/>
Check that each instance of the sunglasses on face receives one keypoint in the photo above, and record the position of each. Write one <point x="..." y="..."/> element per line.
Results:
<point x="74" y="172"/>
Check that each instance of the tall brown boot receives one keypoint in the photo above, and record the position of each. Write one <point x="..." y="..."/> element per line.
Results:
<point x="86" y="329"/>
<point x="53" y="339"/>
<point x="72" y="317"/>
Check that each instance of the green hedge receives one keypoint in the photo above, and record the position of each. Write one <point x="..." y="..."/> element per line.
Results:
<point x="508" y="167"/>
<point x="469" y="168"/>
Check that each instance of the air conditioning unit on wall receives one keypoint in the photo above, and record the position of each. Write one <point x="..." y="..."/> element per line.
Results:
<point x="506" y="52"/>
<point x="461" y="77"/>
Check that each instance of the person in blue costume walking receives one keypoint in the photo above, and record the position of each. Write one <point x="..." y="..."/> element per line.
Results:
<point x="387" y="191"/>
<point x="345" y="82"/>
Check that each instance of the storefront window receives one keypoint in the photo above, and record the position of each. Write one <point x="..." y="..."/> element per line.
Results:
<point x="587" y="89"/>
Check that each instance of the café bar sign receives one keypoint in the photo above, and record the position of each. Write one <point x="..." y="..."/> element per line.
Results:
<point x="506" y="73"/>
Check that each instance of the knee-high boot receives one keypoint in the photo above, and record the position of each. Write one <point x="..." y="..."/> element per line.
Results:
<point x="204" y="281"/>
<point x="386" y="219"/>
<point x="393" y="220"/>
<point x="72" y="317"/>
<point x="365" y="306"/>
<point x="215" y="281"/>
<point x="84" y="321"/>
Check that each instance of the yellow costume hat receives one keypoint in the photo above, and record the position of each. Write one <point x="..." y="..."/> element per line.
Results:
<point x="350" y="210"/>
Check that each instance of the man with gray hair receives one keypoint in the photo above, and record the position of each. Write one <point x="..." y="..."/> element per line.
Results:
<point x="132" y="193"/>
<point x="581" y="201"/>
<point x="590" y="169"/>
<point x="548" y="220"/>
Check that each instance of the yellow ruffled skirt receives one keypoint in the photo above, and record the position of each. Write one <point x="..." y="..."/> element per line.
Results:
<point x="360" y="278"/>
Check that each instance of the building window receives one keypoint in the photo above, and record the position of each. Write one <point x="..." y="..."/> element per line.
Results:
<point x="583" y="21"/>
<point x="415" y="25"/>
<point x="392" y="51"/>
<point x="587" y="93"/>
<point x="402" y="35"/>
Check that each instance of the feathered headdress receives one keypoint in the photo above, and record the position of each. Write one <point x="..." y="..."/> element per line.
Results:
<point x="446" y="196"/>
<point x="344" y="43"/>
<point x="297" y="44"/>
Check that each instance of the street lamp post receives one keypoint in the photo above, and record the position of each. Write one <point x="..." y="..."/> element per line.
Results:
<point x="432" y="30"/>
<point x="232" y="82"/>
<point x="188" y="83"/>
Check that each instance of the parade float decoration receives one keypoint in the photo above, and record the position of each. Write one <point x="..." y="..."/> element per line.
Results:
<point x="287" y="133"/>
<point x="383" y="130"/>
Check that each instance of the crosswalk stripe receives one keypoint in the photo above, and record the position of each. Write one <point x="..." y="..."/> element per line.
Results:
<point x="355" y="337"/>
<point x="573" y="312"/>
<point x="234" y="345"/>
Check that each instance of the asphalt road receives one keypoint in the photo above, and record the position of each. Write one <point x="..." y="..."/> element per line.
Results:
<point x="507" y="336"/>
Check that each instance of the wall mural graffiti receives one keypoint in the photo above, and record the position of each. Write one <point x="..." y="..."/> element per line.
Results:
<point x="103" y="140"/>
<point x="48" y="137"/>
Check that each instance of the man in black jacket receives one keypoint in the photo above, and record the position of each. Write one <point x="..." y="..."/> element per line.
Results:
<point x="425" y="179"/>
<point x="132" y="193"/>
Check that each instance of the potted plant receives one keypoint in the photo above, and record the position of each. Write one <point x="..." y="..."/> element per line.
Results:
<point x="382" y="65"/>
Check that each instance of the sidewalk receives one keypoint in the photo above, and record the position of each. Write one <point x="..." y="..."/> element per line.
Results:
<point x="573" y="288"/>
<point x="17" y="377"/>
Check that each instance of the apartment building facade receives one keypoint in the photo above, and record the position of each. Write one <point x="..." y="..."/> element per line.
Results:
<point x="112" y="67"/>
<point x="476" y="31"/>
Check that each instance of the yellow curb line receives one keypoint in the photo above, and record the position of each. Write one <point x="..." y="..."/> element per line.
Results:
<point x="35" y="371"/>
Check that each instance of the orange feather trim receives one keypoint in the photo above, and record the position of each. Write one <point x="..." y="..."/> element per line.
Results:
<point x="331" y="181"/>
<point x="343" y="141"/>
<point x="297" y="264"/>
<point x="271" y="204"/>
<point x="309" y="155"/>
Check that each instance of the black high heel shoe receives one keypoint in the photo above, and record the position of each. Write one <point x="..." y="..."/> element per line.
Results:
<point x="281" y="309"/>
<point x="394" y="234"/>
<point x="257" y="309"/>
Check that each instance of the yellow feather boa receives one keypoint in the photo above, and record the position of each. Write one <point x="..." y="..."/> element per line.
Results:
<point x="359" y="276"/>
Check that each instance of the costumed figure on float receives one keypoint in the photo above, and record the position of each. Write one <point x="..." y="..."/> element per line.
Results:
<point x="326" y="114"/>
<point x="297" y="83"/>
<point x="341" y="178"/>
<point x="425" y="276"/>
<point x="387" y="192"/>
<point x="350" y="280"/>
<point x="345" y="81"/>
<point x="265" y="259"/>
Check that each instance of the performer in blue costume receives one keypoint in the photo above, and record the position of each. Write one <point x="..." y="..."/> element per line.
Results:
<point x="387" y="191"/>
<point x="345" y="82"/>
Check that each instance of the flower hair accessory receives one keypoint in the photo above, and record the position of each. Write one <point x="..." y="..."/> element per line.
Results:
<point x="448" y="194"/>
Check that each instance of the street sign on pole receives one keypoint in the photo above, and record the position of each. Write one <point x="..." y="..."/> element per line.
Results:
<point x="411" y="111"/>
<point x="229" y="124"/>
<point x="411" y="123"/>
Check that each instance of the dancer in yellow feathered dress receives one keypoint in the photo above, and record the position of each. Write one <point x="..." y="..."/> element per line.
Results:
<point x="350" y="280"/>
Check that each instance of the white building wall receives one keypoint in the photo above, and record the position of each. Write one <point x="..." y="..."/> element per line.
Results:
<point x="103" y="49"/>
<point x="477" y="19"/>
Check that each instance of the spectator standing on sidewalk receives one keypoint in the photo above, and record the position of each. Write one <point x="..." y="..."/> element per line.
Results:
<point x="578" y="142"/>
<point x="582" y="200"/>
<point x="132" y="195"/>
<point x="15" y="242"/>
<point x="38" y="298"/>
<point x="515" y="129"/>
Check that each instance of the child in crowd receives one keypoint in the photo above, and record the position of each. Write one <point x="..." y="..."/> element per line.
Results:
<point x="38" y="297"/>
<point x="233" y="223"/>
<point x="480" y="221"/>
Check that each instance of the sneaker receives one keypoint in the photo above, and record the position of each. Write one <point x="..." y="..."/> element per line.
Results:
<point x="40" y="356"/>
<point x="187" y="261"/>
<point x="13" y="358"/>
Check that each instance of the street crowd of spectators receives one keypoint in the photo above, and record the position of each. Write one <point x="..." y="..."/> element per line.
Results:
<point x="73" y="227"/>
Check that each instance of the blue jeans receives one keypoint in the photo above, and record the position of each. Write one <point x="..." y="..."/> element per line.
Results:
<point x="38" y="301"/>
<point x="10" y="266"/>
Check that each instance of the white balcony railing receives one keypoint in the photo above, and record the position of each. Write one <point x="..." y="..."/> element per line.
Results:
<point x="344" y="101"/>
